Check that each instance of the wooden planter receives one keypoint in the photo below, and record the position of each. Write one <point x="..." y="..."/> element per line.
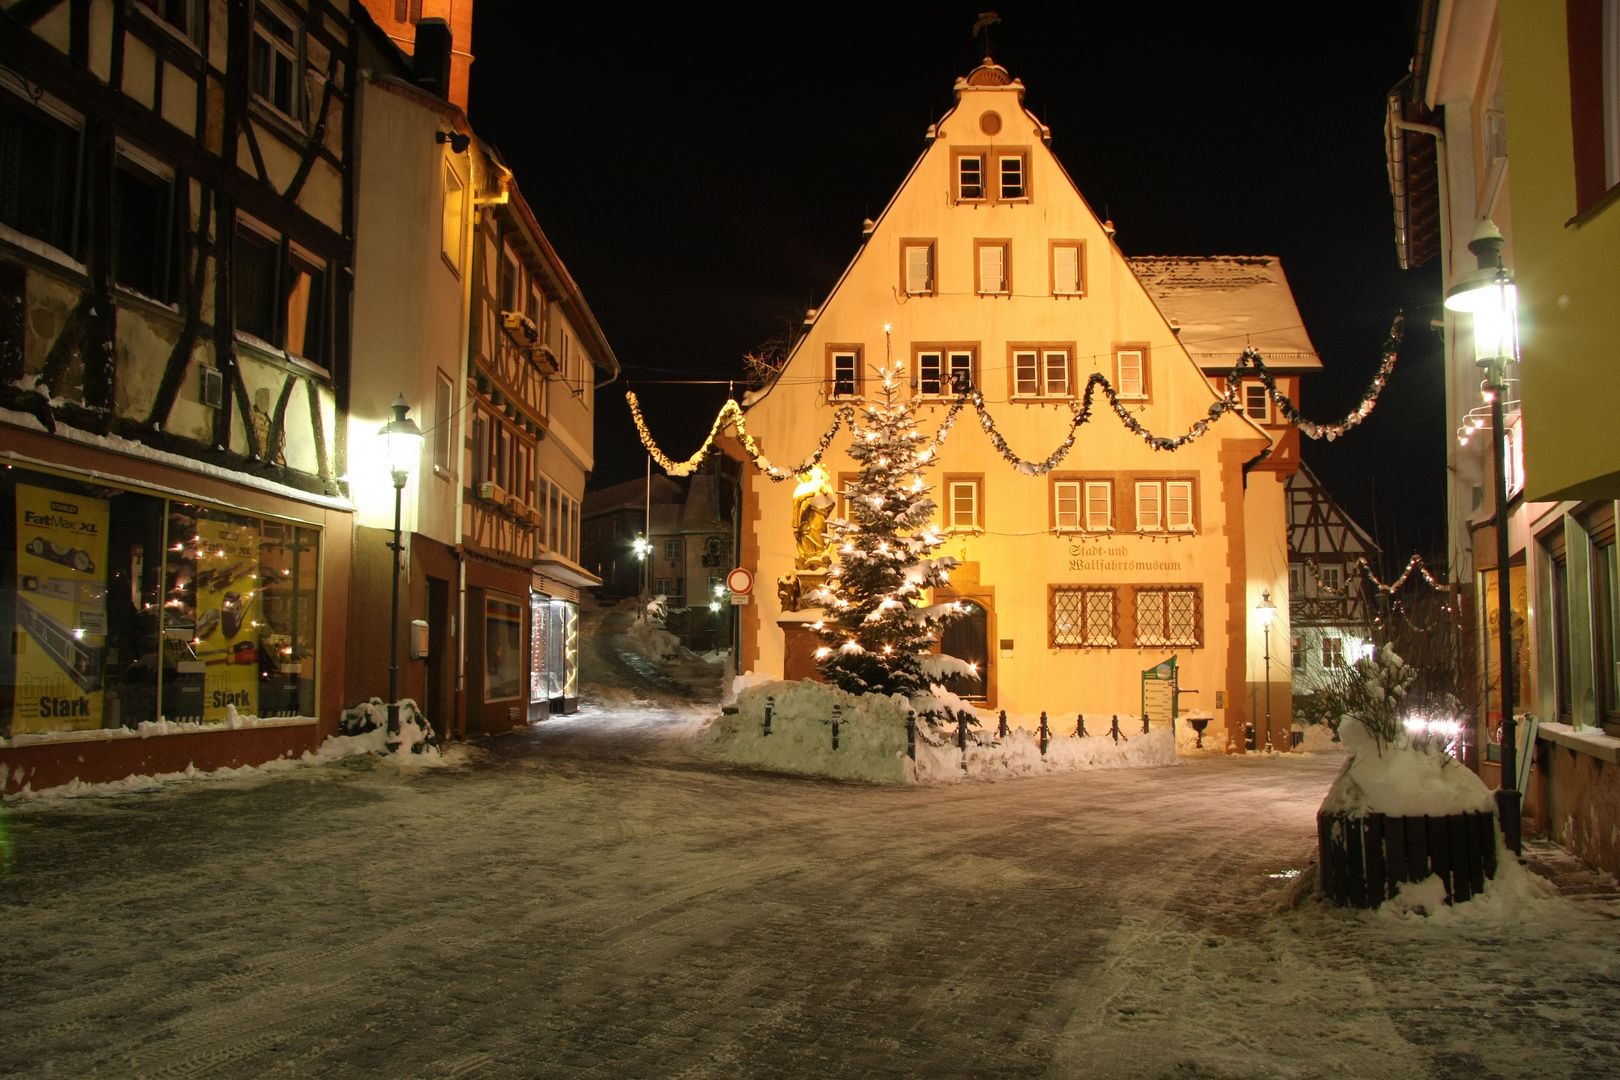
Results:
<point x="1365" y="859"/>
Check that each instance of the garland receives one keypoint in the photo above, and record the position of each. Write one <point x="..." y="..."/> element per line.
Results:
<point x="1308" y="428"/>
<point x="1361" y="568"/>
<point x="731" y="415"/>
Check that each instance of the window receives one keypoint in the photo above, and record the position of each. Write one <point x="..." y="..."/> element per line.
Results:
<point x="266" y="268"/>
<point x="1294" y="579"/>
<point x="36" y="169"/>
<point x="1066" y="505"/>
<point x="1178" y="505"/>
<point x="444" y="410"/>
<point x="964" y="503"/>
<point x="672" y="549"/>
<point x="1084" y="616"/>
<point x="503" y="647"/>
<point x="1149" y="507"/>
<point x="511" y="281"/>
<point x="960" y="371"/>
<point x="1329" y="577"/>
<point x="1040" y="372"/>
<point x="917" y="267"/>
<point x="1332" y="653"/>
<point x="1099" y="505"/>
<point x="1593" y="34"/>
<point x="535" y="308"/>
<point x="253" y="271"/>
<point x="455" y="197"/>
<point x="1131" y="371"/>
<point x="180" y="14"/>
<point x="1168" y="616"/>
<point x="664" y="586"/>
<point x="970" y="177"/>
<point x="843" y="370"/>
<point x="306" y="306"/>
<point x="992" y="267"/>
<point x="145" y="252"/>
<point x="555" y="517"/>
<point x="1012" y="177"/>
<point x="408" y="11"/>
<point x="1068" y="268"/>
<point x="941" y="372"/>
<point x="1256" y="402"/>
<point x="277" y="63"/>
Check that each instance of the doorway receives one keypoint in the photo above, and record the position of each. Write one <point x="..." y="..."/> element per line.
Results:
<point x="967" y="638"/>
<point x="437" y="705"/>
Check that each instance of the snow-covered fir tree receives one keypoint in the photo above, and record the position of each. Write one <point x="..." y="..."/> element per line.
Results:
<point x="876" y="632"/>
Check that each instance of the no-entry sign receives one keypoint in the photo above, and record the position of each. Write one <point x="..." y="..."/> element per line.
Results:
<point x="740" y="581"/>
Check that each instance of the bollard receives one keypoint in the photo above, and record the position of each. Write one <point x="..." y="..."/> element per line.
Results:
<point x="770" y="704"/>
<point x="1079" y="725"/>
<point x="838" y="712"/>
<point x="911" y="734"/>
<point x="1144" y="724"/>
<point x="1046" y="733"/>
<point x="1115" y="732"/>
<point x="961" y="731"/>
<point x="1001" y="730"/>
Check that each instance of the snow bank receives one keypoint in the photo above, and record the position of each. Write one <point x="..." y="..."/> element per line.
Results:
<point x="1319" y="740"/>
<point x="1513" y="897"/>
<point x="1402" y="779"/>
<point x="233" y="721"/>
<point x="650" y="639"/>
<point x="872" y="738"/>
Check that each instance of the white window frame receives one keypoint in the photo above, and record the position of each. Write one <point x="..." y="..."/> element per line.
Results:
<point x="1329" y="576"/>
<point x="1001" y="177"/>
<point x="1333" y="652"/>
<point x="1073" y="492"/>
<point x="1047" y="356"/>
<point x="1003" y="279"/>
<point x="672" y="549"/>
<point x="958" y="360"/>
<point x="961" y="173"/>
<point x="1034" y="384"/>
<point x="1175" y="490"/>
<point x="1091" y="490"/>
<point x="1250" y="390"/>
<point x="939" y="379"/>
<point x="953" y="521"/>
<point x="1149" y="506"/>
<point x="1134" y="388"/>
<point x="854" y="359"/>
<point x="923" y="286"/>
<point x="1057" y="281"/>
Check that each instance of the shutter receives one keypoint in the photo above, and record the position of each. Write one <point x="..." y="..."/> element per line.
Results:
<point x="918" y="269"/>
<point x="1027" y="373"/>
<point x="991" y="275"/>
<point x="1130" y="374"/>
<point x="1066" y="504"/>
<point x="1178" y="504"/>
<point x="1057" y="374"/>
<point x="1066" y="269"/>
<point x="1148" y="515"/>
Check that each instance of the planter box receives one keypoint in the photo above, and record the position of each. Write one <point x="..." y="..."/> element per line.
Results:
<point x="1365" y="859"/>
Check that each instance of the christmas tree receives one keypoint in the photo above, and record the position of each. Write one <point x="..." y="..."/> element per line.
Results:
<point x="876" y="633"/>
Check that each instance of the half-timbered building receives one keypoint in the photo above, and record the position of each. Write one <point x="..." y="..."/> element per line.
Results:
<point x="1330" y="619"/>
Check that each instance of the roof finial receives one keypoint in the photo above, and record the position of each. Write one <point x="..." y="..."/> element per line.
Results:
<point x="981" y="28"/>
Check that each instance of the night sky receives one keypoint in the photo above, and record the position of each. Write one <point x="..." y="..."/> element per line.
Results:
<point x="703" y="172"/>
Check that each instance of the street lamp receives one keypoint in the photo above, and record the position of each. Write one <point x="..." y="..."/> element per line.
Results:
<point x="1264" y="612"/>
<point x="1490" y="296"/>
<point x="403" y="441"/>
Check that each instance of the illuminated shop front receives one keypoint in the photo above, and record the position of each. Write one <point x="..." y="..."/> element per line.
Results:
<point x="553" y="650"/>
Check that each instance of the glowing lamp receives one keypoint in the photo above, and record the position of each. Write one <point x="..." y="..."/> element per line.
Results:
<point x="1490" y="296"/>
<point x="1265" y="611"/>
<point x="403" y="441"/>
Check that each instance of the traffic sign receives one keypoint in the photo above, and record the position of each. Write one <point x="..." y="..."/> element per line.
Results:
<point x="740" y="581"/>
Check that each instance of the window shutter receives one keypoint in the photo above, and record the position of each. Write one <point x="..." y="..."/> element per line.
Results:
<point x="1099" y="505"/>
<point x="1066" y="269"/>
<point x="919" y="269"/>
<point x="1057" y="374"/>
<point x="1130" y="374"/>
<point x="1178" y="504"/>
<point x="1027" y="373"/>
<point x="1066" y="504"/>
<point x="992" y="269"/>
<point x="1148" y="515"/>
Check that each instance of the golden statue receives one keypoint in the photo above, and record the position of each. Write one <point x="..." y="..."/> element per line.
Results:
<point x="813" y="503"/>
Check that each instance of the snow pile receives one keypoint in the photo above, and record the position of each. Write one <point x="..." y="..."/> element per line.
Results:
<point x="738" y="683"/>
<point x="872" y="738"/>
<point x="415" y="737"/>
<point x="1319" y="740"/>
<point x="145" y="729"/>
<point x="1402" y="778"/>
<point x="1187" y="735"/>
<point x="649" y="638"/>
<point x="1513" y="897"/>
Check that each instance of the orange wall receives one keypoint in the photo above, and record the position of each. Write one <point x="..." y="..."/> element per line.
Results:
<point x="458" y="13"/>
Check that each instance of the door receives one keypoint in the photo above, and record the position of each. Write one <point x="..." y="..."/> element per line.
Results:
<point x="437" y="703"/>
<point x="967" y="638"/>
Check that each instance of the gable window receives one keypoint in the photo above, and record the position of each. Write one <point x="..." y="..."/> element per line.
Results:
<point x="455" y="194"/>
<point x="1012" y="177"/>
<point x="276" y="61"/>
<point x="1066" y="505"/>
<point x="1149" y="506"/>
<point x="145" y="252"/>
<point x="964" y="503"/>
<point x="1168" y="616"/>
<point x="444" y="410"/>
<point x="992" y="267"/>
<point x="1099" y="505"/>
<point x="843" y="371"/>
<point x="1178" y="505"/>
<point x="36" y="169"/>
<point x="180" y="14"/>
<point x="1068" y="268"/>
<point x="1131" y="372"/>
<point x="1083" y="616"/>
<point x="1256" y="402"/>
<point x="917" y="267"/>
<point x="970" y="177"/>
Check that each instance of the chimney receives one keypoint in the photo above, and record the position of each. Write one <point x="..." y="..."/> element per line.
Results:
<point x="430" y="62"/>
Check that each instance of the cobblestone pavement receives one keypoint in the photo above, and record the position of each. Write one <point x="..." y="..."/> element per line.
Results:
<point x="591" y="899"/>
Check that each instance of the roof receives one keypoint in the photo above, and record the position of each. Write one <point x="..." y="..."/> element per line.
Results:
<point x="630" y="495"/>
<point x="1222" y="304"/>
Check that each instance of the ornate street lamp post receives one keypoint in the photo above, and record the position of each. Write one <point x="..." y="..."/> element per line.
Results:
<point x="403" y="441"/>
<point x="1489" y="295"/>
<point x="1264" y="612"/>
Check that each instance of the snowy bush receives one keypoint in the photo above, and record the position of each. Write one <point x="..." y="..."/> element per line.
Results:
<point x="413" y="731"/>
<point x="1373" y="692"/>
<point x="1400" y="777"/>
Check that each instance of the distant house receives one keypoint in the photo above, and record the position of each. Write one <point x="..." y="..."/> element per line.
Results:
<point x="1327" y="606"/>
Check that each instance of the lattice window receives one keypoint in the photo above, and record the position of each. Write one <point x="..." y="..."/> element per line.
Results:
<point x="1084" y="616"/>
<point x="1168" y="617"/>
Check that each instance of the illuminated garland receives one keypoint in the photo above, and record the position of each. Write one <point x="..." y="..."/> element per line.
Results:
<point x="731" y="415"/>
<point x="1361" y="568"/>
<point x="1311" y="429"/>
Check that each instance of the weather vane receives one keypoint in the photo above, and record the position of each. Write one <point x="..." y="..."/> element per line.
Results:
<point x="981" y="27"/>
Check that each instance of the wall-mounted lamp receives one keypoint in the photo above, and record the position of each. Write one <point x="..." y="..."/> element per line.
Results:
<point x="458" y="142"/>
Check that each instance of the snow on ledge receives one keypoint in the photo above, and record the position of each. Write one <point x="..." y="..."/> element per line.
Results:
<point x="146" y="729"/>
<point x="1592" y="743"/>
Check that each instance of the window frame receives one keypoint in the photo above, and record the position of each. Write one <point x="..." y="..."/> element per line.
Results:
<point x="294" y="51"/>
<point x="1157" y="488"/>
<point x="1082" y="593"/>
<point x="1044" y="351"/>
<point x="672" y="549"/>
<point x="452" y="259"/>
<point x="1250" y="386"/>
<point x="1191" y="525"/>
<point x="1079" y="266"/>
<point x="979" y="154"/>
<point x="835" y="350"/>
<point x="949" y="482"/>
<point x="979" y="246"/>
<point x="909" y="244"/>
<point x="1088" y="488"/>
<point x="1021" y="155"/>
<point x="444" y="427"/>
<point x="165" y="260"/>
<point x="1054" y="499"/>
<point x="1166" y="639"/>
<point x="190" y="33"/>
<point x="948" y="352"/>
<point x="1145" y="395"/>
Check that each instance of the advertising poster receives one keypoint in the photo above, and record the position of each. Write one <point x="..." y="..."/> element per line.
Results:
<point x="228" y="617"/>
<point x="61" y="610"/>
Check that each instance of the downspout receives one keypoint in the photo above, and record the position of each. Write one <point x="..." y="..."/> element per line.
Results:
<point x="469" y="235"/>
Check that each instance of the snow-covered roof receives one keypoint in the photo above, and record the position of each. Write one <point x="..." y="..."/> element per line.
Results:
<point x="1222" y="304"/>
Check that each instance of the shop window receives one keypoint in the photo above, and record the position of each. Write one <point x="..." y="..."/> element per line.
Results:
<point x="123" y="607"/>
<point x="503" y="647"/>
<point x="1084" y="616"/>
<point x="37" y="156"/>
<point x="277" y="61"/>
<point x="145" y="248"/>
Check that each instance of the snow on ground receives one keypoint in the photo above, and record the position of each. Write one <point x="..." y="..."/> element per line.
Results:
<point x="593" y="898"/>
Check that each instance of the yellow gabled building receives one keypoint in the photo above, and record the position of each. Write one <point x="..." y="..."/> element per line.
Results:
<point x="988" y="266"/>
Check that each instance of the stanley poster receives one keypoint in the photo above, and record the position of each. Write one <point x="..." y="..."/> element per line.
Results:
<point x="228" y="617"/>
<point x="61" y="610"/>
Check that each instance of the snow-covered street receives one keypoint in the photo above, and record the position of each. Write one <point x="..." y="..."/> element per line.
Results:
<point x="594" y="898"/>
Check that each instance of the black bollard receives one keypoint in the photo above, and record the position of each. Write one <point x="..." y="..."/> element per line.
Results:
<point x="1001" y="729"/>
<point x="1144" y="724"/>
<point x="770" y="704"/>
<point x="1115" y="732"/>
<point x="1046" y="733"/>
<point x="838" y="712"/>
<point x="1079" y="725"/>
<point x="911" y="734"/>
<point x="961" y="732"/>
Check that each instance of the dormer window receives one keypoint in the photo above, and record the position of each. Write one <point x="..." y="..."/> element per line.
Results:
<point x="970" y="177"/>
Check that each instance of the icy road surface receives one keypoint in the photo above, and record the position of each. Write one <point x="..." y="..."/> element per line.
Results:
<point x="590" y="899"/>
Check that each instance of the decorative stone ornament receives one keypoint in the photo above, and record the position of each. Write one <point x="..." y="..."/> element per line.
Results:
<point x="990" y="122"/>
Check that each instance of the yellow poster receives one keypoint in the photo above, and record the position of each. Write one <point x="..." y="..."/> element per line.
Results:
<point x="61" y="610"/>
<point x="228" y="617"/>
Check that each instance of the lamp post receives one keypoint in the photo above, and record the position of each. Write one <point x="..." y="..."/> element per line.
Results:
<point x="1265" y="611"/>
<point x="1490" y="296"/>
<point x="403" y="441"/>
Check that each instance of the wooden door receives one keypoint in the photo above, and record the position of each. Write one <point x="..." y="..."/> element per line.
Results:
<point x="967" y="638"/>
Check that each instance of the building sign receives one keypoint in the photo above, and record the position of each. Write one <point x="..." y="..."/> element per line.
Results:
<point x="61" y="610"/>
<point x="1116" y="558"/>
